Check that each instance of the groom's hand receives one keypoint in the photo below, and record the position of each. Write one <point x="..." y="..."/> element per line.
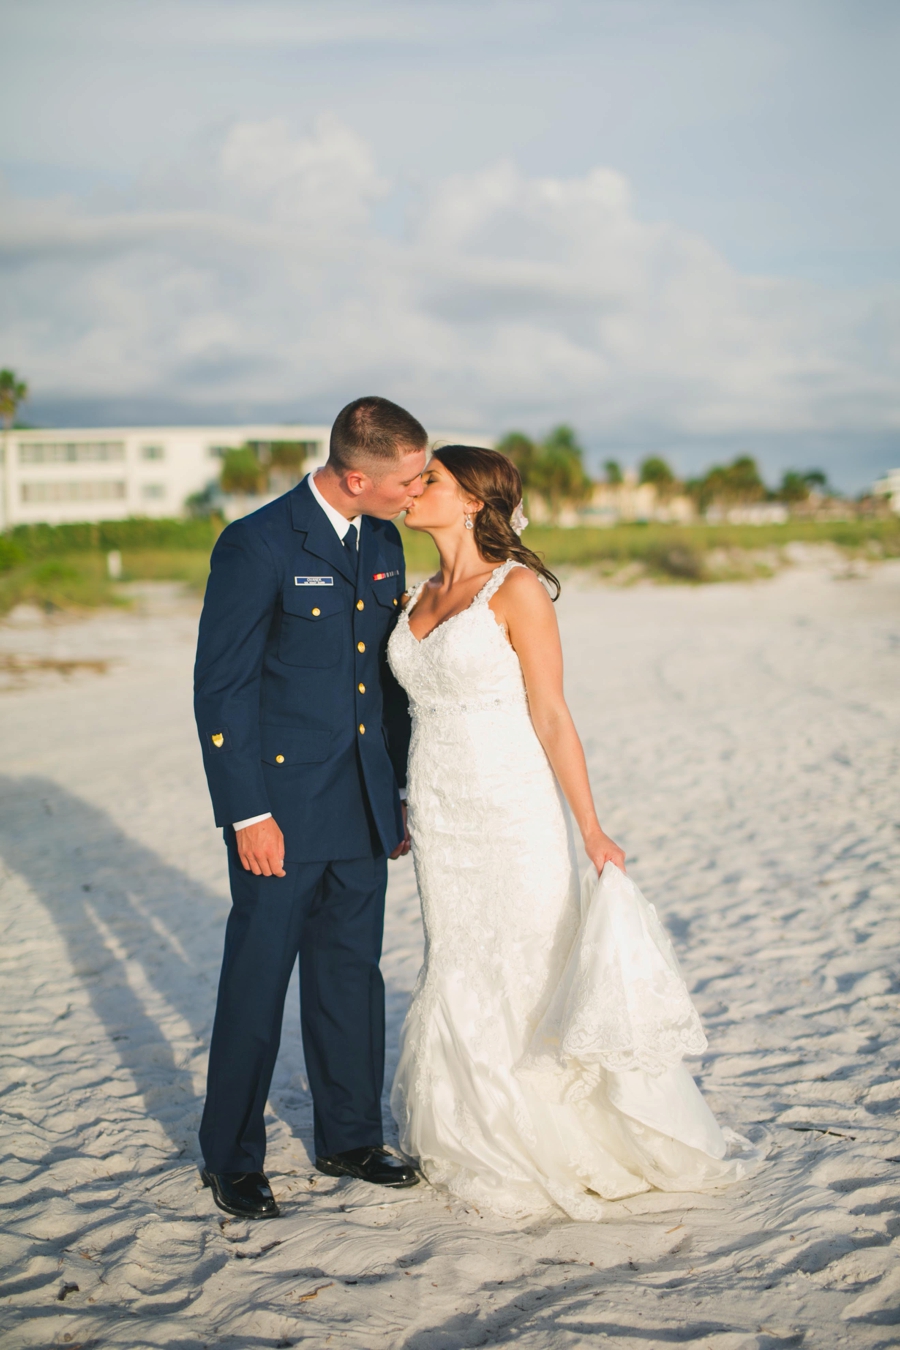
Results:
<point x="403" y="847"/>
<point x="261" y="849"/>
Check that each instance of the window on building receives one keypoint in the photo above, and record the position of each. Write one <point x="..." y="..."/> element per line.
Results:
<point x="153" y="490"/>
<point x="218" y="451"/>
<point x="72" y="491"/>
<point x="69" y="452"/>
<point x="153" y="452"/>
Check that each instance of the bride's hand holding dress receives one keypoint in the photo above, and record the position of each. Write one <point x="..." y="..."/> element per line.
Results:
<point x="540" y="1061"/>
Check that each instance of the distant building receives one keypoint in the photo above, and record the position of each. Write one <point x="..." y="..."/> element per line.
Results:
<point x="108" y="473"/>
<point x="630" y="501"/>
<point x="889" y="486"/>
<point x="60" y="475"/>
<point x="751" y="513"/>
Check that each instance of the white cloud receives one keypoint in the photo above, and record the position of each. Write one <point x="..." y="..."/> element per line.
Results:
<point x="260" y="278"/>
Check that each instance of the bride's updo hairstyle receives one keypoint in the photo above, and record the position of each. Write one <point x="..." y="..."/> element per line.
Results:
<point x="493" y="479"/>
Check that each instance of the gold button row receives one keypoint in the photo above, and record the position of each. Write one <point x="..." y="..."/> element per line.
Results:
<point x="360" y="604"/>
<point x="360" y="647"/>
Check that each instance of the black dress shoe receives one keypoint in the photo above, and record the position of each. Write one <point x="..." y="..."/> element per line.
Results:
<point x="372" y="1164"/>
<point x="246" y="1194"/>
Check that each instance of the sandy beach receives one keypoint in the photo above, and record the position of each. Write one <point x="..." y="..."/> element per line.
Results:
<point x="743" y="744"/>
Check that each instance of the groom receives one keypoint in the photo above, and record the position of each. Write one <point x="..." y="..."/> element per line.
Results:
<point x="305" y="734"/>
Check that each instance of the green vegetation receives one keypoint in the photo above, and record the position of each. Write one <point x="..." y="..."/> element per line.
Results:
<point x="242" y="471"/>
<point x="736" y="484"/>
<point x="656" y="471"/>
<point x="553" y="468"/>
<point x="67" y="581"/>
<point x="10" y="554"/>
<point x="79" y="580"/>
<point x="681" y="551"/>
<point x="256" y="467"/>
<point x="685" y="551"/>
<point x="64" y="566"/>
<point x="796" y="487"/>
<point x="41" y="541"/>
<point x="289" y="455"/>
<point x="13" y="391"/>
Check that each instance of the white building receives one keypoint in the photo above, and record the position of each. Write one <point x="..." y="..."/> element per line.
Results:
<point x="109" y="473"/>
<point x="889" y="486"/>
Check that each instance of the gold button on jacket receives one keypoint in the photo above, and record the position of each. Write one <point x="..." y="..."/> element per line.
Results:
<point x="360" y="604"/>
<point x="360" y="646"/>
<point x="362" y="730"/>
<point x="279" y="759"/>
<point x="361" y="688"/>
<point x="317" y="611"/>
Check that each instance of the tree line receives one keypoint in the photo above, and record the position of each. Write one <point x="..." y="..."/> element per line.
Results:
<point x="554" y="468"/>
<point x="738" y="482"/>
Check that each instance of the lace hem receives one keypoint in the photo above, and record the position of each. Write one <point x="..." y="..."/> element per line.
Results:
<point x="621" y="1004"/>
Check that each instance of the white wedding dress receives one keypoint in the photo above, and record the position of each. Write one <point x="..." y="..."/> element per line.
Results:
<point x="540" y="1059"/>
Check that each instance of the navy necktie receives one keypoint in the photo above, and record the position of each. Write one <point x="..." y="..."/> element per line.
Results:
<point x="352" y="550"/>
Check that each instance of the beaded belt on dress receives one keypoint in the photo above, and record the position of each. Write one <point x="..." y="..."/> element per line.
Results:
<point x="482" y="705"/>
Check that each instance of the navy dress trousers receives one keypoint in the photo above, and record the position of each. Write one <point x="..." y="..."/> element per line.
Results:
<point x="299" y="715"/>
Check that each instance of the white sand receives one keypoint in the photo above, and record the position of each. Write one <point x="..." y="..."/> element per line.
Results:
<point x="743" y="744"/>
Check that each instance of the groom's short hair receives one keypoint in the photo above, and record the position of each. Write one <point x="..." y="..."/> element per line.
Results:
<point x="373" y="429"/>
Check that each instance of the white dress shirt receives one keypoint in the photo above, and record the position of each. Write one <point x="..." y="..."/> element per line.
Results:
<point x="341" y="525"/>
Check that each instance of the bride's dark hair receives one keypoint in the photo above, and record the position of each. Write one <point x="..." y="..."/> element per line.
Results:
<point x="493" y="479"/>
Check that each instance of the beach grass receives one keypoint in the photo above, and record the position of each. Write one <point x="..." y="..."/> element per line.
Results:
<point x="79" y="580"/>
<point x="63" y="567"/>
<point x="683" y="552"/>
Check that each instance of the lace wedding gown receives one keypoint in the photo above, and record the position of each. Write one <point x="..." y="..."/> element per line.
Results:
<point x="541" y="1056"/>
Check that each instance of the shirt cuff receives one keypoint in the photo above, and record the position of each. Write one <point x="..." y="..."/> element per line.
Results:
<point x="252" y="820"/>
<point x="402" y="792"/>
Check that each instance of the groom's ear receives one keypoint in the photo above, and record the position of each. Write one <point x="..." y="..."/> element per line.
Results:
<point x="356" y="481"/>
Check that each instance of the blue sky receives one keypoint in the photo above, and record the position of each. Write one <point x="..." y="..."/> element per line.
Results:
<point x="673" y="224"/>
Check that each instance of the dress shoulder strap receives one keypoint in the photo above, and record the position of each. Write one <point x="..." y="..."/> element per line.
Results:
<point x="416" y="592"/>
<point x="495" y="581"/>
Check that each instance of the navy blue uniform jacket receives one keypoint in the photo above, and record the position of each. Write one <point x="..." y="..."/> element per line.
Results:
<point x="297" y="711"/>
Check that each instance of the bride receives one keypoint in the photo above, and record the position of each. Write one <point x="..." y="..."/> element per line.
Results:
<point x="541" y="1056"/>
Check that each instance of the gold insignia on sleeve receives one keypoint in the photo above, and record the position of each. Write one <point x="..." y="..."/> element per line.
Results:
<point x="218" y="739"/>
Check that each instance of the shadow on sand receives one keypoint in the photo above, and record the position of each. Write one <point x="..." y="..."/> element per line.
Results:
<point x="144" y="938"/>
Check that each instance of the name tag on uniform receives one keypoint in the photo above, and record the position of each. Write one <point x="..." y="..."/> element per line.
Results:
<point x="313" y="581"/>
<point x="381" y="576"/>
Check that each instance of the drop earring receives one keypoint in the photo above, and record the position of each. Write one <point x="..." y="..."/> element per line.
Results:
<point x="469" y="525"/>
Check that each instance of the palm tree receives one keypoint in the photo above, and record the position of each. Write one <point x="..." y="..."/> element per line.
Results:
<point x="13" y="391"/>
<point x="657" y="472"/>
<point x="559" y="473"/>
